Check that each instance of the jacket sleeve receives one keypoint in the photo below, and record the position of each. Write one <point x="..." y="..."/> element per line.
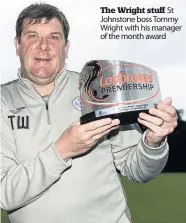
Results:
<point x="133" y="158"/>
<point x="22" y="183"/>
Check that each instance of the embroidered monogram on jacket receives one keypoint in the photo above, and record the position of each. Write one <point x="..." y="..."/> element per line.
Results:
<point x="19" y="122"/>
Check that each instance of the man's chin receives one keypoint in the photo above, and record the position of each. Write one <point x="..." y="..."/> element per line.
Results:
<point x="42" y="72"/>
<point x="42" y="80"/>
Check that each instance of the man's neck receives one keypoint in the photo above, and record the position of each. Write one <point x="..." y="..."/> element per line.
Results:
<point x="44" y="90"/>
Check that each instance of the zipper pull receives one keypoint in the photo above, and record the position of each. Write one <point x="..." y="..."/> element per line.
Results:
<point x="46" y="105"/>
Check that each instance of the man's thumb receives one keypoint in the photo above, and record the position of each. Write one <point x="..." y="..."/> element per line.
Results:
<point x="167" y="101"/>
<point x="76" y="123"/>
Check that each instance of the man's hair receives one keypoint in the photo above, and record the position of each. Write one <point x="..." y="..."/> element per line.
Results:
<point x="36" y="12"/>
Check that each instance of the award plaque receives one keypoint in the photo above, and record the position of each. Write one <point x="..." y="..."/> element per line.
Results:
<point x="117" y="89"/>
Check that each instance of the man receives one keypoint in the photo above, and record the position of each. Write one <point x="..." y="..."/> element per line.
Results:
<point x="55" y="170"/>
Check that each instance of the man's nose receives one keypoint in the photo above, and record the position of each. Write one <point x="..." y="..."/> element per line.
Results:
<point x="43" y="44"/>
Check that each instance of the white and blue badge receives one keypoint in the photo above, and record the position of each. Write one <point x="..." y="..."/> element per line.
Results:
<point x="76" y="102"/>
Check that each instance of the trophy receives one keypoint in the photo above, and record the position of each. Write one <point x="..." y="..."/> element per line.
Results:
<point x="117" y="89"/>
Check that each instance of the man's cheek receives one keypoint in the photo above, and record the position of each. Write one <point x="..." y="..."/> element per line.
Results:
<point x="59" y="55"/>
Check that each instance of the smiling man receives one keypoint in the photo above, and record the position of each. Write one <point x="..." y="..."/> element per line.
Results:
<point x="55" y="170"/>
<point x="40" y="63"/>
<point x="42" y="45"/>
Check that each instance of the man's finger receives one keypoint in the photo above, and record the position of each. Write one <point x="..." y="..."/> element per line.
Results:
<point x="99" y="136"/>
<point x="96" y="124"/>
<point x="167" y="101"/>
<point x="152" y="119"/>
<point x="165" y="108"/>
<point x="76" y="123"/>
<point x="102" y="129"/>
<point x="160" y="114"/>
<point x="154" y="128"/>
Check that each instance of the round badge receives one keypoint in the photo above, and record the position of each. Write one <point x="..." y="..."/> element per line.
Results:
<point x="76" y="102"/>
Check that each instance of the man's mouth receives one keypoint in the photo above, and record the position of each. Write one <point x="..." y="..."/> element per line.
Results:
<point x="42" y="59"/>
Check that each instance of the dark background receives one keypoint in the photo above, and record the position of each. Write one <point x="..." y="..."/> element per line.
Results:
<point x="177" y="143"/>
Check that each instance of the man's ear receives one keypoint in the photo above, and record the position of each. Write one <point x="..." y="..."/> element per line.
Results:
<point x="17" y="45"/>
<point x="67" y="49"/>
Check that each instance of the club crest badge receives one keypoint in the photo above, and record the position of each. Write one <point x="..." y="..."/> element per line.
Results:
<point x="76" y="102"/>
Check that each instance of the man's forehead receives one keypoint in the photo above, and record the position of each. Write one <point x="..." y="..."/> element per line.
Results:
<point x="53" y="24"/>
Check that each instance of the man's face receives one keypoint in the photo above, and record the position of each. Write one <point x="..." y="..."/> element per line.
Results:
<point x="42" y="51"/>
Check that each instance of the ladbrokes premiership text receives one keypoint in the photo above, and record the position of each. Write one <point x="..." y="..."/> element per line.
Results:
<point x="138" y="23"/>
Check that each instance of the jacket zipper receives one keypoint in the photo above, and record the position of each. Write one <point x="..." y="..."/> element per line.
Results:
<point x="48" y="118"/>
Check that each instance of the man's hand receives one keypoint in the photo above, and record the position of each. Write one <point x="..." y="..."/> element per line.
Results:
<point x="160" y="121"/>
<point x="78" y="139"/>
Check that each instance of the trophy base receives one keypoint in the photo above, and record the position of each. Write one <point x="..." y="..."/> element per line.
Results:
<point x="124" y="117"/>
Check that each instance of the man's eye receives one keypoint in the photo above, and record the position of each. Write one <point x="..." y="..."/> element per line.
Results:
<point x="32" y="36"/>
<point x="54" y="37"/>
